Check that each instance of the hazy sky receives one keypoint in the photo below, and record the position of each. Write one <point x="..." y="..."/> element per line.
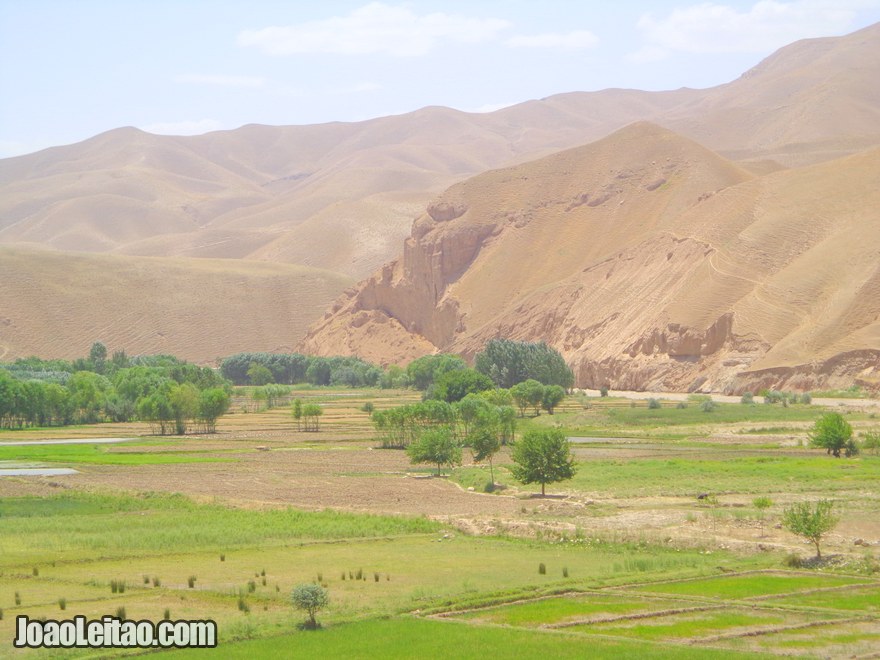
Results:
<point x="70" y="69"/>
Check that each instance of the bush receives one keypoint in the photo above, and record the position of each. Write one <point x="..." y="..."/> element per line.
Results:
<point x="834" y="434"/>
<point x="311" y="598"/>
<point x="708" y="405"/>
<point x="747" y="398"/>
<point x="654" y="404"/>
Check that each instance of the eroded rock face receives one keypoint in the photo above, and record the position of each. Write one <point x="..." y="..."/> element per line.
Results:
<point x="411" y="292"/>
<point x="647" y="261"/>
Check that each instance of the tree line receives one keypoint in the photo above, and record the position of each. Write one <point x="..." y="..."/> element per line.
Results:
<point x="171" y="394"/>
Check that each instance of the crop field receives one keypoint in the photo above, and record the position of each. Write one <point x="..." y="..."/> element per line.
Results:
<point x="623" y="560"/>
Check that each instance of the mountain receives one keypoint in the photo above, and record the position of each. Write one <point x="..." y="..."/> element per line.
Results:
<point x="647" y="260"/>
<point x="342" y="196"/>
<point x="55" y="304"/>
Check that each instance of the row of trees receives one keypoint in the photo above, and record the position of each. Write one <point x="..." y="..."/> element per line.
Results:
<point x="293" y="368"/>
<point x="170" y="394"/>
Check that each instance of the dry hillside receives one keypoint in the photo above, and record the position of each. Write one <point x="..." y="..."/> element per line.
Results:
<point x="647" y="260"/>
<point x="342" y="196"/>
<point x="56" y="304"/>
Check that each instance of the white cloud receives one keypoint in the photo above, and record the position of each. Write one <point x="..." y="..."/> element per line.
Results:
<point x="575" y="40"/>
<point x="222" y="81"/>
<point x="189" y="127"/>
<point x="765" y="26"/>
<point x="374" y="28"/>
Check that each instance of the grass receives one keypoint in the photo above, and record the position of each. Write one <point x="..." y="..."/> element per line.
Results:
<point x="417" y="638"/>
<point x="705" y="472"/>
<point x="749" y="586"/>
<point x="857" y="600"/>
<point x="98" y="455"/>
<point x="77" y="525"/>
<point x="555" y="610"/>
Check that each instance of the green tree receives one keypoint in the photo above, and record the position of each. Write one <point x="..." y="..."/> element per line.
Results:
<point x="485" y="443"/>
<point x="98" y="357"/>
<point x="528" y="393"/>
<point x="425" y="370"/>
<point x="296" y="409"/>
<point x="810" y="521"/>
<point x="543" y="457"/>
<point x="834" y="434"/>
<point x="761" y="504"/>
<point x="509" y="362"/>
<point x="311" y="598"/>
<point x="455" y="385"/>
<point x="435" y="446"/>
<point x="184" y="401"/>
<point x="552" y="397"/>
<point x="259" y="375"/>
<point x="311" y="413"/>
<point x="213" y="403"/>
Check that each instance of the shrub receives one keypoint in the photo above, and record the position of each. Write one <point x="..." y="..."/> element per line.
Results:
<point x="62" y="603"/>
<point x="708" y="405"/>
<point x="747" y="398"/>
<point x="311" y="598"/>
<point x="681" y="405"/>
<point x="603" y="391"/>
<point x="120" y="613"/>
<point x="834" y="434"/>
<point x="793" y="560"/>
<point x="654" y="404"/>
<point x="166" y="615"/>
<point x="542" y="569"/>
<point x="156" y="581"/>
<point x="191" y="581"/>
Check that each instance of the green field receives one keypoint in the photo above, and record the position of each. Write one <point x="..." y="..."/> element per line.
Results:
<point x="621" y="561"/>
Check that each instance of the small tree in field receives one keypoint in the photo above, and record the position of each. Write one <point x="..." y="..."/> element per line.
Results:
<point x="553" y="396"/>
<point x="811" y="522"/>
<point x="762" y="503"/>
<point x="834" y="434"/>
<point x="485" y="443"/>
<point x="311" y="412"/>
<point x="312" y="598"/>
<point x="435" y="446"/>
<point x="543" y="457"/>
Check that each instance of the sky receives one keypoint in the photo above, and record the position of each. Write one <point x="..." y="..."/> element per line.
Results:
<point x="70" y="69"/>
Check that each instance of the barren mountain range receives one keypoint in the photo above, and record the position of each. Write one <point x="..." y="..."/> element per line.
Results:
<point x="690" y="239"/>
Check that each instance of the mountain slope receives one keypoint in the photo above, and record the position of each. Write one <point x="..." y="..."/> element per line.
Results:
<point x="57" y="304"/>
<point x="647" y="260"/>
<point x="236" y="193"/>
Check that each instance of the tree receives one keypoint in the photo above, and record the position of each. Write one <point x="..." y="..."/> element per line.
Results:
<point x="259" y="374"/>
<point x="310" y="414"/>
<point x="425" y="370"/>
<point x="98" y="357"/>
<point x="762" y="503"/>
<point x="528" y="393"/>
<point x="509" y="362"/>
<point x="552" y="397"/>
<point x="296" y="409"/>
<point x="485" y="443"/>
<point x="833" y="433"/>
<point x="455" y="385"/>
<point x="811" y="522"/>
<point x="213" y="403"/>
<point x="435" y="446"/>
<point x="312" y="598"/>
<point x="543" y="457"/>
<point x="184" y="401"/>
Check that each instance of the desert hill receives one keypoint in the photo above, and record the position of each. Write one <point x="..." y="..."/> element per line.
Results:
<point x="647" y="260"/>
<point x="342" y="196"/>
<point x="261" y="192"/>
<point x="56" y="304"/>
